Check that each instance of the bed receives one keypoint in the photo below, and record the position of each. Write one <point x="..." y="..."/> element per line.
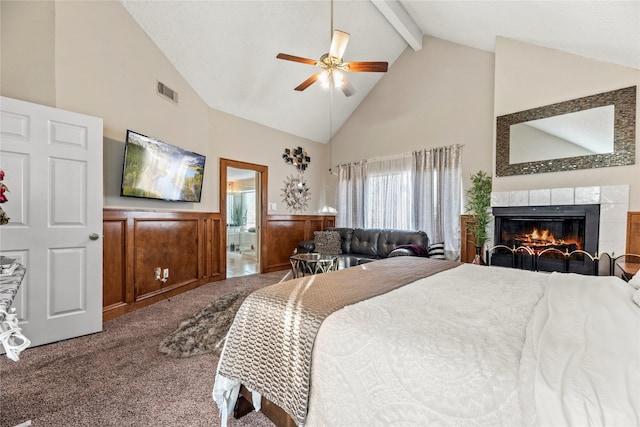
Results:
<point x="438" y="342"/>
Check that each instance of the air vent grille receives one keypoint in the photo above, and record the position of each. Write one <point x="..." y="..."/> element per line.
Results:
<point x="167" y="92"/>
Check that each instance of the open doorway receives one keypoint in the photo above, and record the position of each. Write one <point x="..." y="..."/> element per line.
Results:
<point x="242" y="215"/>
<point x="242" y="205"/>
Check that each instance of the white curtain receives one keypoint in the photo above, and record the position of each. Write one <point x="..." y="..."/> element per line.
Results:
<point x="351" y="195"/>
<point x="437" y="192"/>
<point x="419" y="191"/>
<point x="387" y="202"/>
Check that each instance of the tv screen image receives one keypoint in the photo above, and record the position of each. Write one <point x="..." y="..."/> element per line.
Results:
<point x="156" y="170"/>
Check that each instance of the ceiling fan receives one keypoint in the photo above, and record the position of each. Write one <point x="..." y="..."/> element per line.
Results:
<point x="333" y="66"/>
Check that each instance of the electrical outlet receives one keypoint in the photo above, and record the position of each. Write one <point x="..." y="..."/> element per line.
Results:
<point x="165" y="273"/>
<point x="157" y="273"/>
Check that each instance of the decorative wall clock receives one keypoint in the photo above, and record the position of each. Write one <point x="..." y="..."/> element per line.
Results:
<point x="295" y="193"/>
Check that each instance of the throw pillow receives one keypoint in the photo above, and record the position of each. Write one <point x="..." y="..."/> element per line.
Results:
<point x="327" y="242"/>
<point x="436" y="251"/>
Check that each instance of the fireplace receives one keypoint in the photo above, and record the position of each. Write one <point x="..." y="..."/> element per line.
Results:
<point x="547" y="233"/>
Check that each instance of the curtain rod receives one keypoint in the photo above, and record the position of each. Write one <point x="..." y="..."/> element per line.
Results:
<point x="397" y="156"/>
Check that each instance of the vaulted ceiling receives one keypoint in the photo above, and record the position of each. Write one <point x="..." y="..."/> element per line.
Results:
<point x="226" y="50"/>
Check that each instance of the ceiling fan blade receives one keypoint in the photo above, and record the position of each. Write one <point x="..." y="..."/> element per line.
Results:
<point x="378" y="67"/>
<point x="347" y="87"/>
<point x="311" y="80"/>
<point x="296" y="59"/>
<point x="339" y="43"/>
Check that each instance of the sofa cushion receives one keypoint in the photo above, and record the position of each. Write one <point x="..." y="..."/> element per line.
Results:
<point x="365" y="242"/>
<point x="327" y="242"/>
<point x="391" y="239"/>
<point x="346" y="234"/>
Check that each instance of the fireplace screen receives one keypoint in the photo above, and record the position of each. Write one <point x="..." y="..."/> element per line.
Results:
<point x="549" y="234"/>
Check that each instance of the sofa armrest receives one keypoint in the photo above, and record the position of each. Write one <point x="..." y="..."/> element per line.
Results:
<point x="306" y="246"/>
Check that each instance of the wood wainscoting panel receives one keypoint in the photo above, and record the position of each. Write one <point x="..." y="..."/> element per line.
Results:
<point x="282" y="237"/>
<point x="136" y="242"/>
<point x="633" y="233"/>
<point x="170" y="244"/>
<point x="214" y="249"/>
<point x="113" y="273"/>
<point x="190" y="244"/>
<point x="284" y="232"/>
<point x="467" y="247"/>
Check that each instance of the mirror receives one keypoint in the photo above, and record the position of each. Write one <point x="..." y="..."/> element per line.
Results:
<point x="591" y="132"/>
<point x="567" y="135"/>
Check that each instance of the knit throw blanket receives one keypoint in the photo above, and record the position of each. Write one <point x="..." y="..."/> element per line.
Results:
<point x="269" y="345"/>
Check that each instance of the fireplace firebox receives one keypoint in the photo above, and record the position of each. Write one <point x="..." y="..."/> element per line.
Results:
<point x="548" y="235"/>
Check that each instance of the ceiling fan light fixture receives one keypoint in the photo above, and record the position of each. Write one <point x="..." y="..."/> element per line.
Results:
<point x="338" y="78"/>
<point x="323" y="78"/>
<point x="331" y="78"/>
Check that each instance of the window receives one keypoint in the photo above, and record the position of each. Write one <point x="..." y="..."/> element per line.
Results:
<point x="414" y="191"/>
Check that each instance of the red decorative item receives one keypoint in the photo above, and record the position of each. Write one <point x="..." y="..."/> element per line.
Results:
<point x="4" y="219"/>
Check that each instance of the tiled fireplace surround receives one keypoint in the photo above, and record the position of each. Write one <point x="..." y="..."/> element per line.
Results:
<point x="613" y="201"/>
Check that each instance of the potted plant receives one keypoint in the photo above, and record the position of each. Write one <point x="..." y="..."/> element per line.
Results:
<point x="478" y="204"/>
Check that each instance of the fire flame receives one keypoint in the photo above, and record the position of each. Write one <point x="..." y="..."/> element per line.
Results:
<point x="542" y="239"/>
<point x="545" y="236"/>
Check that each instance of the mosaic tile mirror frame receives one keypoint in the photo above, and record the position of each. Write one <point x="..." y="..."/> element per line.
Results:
<point x="623" y="121"/>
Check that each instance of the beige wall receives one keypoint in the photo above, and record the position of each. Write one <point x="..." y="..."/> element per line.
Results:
<point x="247" y="141"/>
<point x="98" y="61"/>
<point x="27" y="68"/>
<point x="107" y="67"/>
<point x="528" y="76"/>
<point x="441" y="95"/>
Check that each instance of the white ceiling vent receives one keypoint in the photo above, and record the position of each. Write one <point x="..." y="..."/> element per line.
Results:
<point x="167" y="92"/>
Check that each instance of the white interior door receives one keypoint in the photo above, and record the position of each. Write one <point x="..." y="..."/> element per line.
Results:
<point x="53" y="168"/>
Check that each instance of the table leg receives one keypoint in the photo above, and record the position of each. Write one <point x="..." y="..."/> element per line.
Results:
<point x="294" y="267"/>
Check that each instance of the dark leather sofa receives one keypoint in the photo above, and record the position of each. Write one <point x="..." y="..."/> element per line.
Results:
<point x="365" y="245"/>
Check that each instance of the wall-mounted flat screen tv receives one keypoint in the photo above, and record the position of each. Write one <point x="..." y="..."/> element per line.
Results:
<point x="156" y="170"/>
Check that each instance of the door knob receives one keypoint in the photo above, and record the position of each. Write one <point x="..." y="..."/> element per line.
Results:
<point x="94" y="236"/>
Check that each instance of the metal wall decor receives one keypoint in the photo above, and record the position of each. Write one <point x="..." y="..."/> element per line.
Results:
<point x="295" y="193"/>
<point x="297" y="157"/>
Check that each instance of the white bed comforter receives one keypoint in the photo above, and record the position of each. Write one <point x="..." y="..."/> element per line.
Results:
<point x="585" y="338"/>
<point x="413" y="358"/>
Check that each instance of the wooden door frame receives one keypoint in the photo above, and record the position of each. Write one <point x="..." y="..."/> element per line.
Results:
<point x="264" y="172"/>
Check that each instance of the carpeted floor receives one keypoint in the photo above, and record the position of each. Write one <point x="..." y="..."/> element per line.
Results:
<point x="118" y="377"/>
